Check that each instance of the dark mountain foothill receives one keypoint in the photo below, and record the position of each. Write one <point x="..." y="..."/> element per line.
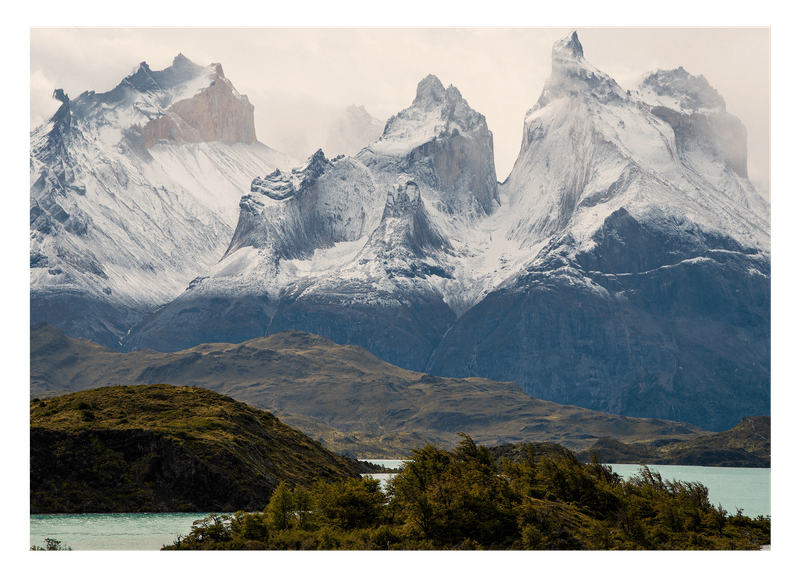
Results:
<point x="745" y="446"/>
<point x="160" y="448"/>
<point x="353" y="402"/>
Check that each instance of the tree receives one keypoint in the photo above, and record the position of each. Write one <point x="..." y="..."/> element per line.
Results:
<point x="455" y="497"/>
<point x="280" y="507"/>
<point x="354" y="503"/>
<point x="416" y="491"/>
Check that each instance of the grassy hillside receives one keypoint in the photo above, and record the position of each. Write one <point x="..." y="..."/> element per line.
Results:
<point x="353" y="402"/>
<point x="151" y="448"/>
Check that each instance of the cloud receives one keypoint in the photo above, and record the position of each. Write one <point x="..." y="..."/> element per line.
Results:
<point x="43" y="105"/>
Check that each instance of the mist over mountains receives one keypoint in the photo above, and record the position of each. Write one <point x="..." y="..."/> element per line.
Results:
<point x="623" y="265"/>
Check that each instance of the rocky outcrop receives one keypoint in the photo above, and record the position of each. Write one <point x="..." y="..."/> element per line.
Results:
<point x="217" y="113"/>
<point x="445" y="145"/>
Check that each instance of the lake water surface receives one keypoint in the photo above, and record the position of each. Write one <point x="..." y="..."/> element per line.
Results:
<point x="745" y="488"/>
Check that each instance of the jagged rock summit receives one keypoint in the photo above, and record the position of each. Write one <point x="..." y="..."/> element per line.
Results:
<point x="572" y="74"/>
<point x="354" y="248"/>
<point x="445" y="145"/>
<point x="216" y="113"/>
<point x="134" y="192"/>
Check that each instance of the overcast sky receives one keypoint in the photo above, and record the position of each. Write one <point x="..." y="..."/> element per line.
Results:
<point x="297" y="76"/>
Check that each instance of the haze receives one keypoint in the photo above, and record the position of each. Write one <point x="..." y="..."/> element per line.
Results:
<point x="297" y="78"/>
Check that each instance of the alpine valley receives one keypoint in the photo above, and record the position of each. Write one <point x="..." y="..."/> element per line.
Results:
<point x="623" y="266"/>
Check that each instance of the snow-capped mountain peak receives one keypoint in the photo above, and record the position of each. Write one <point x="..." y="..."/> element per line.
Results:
<point x="134" y="192"/>
<point x="680" y="91"/>
<point x="422" y="140"/>
<point x="430" y="93"/>
<point x="436" y="112"/>
<point x="626" y="270"/>
<point x="572" y="74"/>
<point x="646" y="290"/>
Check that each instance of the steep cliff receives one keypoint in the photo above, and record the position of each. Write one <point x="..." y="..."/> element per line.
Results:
<point x="216" y="113"/>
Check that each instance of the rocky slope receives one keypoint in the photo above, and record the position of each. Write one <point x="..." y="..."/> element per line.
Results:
<point x="135" y="191"/>
<point x="159" y="448"/>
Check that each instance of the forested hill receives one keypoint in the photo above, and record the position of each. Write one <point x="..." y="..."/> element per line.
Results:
<point x="160" y="448"/>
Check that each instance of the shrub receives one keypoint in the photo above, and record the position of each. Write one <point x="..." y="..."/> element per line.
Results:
<point x="50" y="544"/>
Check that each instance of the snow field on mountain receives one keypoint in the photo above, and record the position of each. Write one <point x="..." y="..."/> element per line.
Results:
<point x="215" y="174"/>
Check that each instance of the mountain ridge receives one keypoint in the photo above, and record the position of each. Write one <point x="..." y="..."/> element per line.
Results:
<point x="353" y="401"/>
<point x="132" y="196"/>
<point x="623" y="266"/>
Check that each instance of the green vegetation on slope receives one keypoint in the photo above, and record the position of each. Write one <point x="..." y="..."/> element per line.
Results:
<point x="160" y="448"/>
<point x="466" y="499"/>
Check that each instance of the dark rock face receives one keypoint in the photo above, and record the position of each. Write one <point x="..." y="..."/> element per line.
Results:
<point x="646" y="324"/>
<point x="91" y="316"/>
<point x="403" y="331"/>
<point x="181" y="325"/>
<point x="458" y="164"/>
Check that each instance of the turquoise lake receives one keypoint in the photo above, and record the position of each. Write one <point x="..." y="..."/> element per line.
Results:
<point x="744" y="488"/>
